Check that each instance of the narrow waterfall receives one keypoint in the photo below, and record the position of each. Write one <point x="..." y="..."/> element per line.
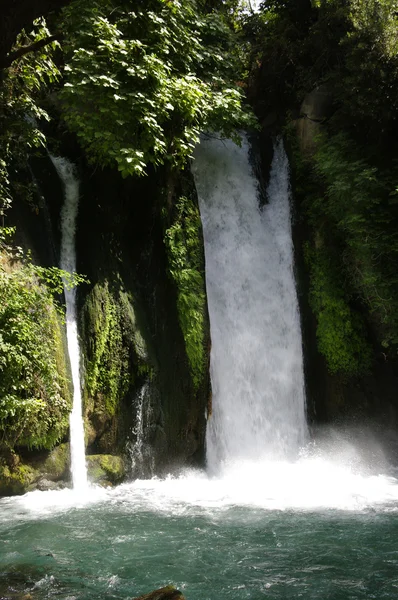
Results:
<point x="66" y="172"/>
<point x="141" y="454"/>
<point x="256" y="357"/>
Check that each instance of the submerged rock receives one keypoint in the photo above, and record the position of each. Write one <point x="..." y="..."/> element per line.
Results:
<point x="165" y="593"/>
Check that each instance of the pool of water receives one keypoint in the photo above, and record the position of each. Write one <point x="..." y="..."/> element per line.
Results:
<point x="226" y="537"/>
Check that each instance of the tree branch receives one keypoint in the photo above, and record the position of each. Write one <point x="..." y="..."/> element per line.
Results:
<point x="9" y="59"/>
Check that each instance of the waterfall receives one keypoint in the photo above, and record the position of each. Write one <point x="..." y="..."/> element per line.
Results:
<point x="66" y="172"/>
<point x="256" y="357"/>
<point x="141" y="455"/>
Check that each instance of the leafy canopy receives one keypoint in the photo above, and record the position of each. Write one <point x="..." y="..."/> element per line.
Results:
<point x="143" y="79"/>
<point x="21" y="88"/>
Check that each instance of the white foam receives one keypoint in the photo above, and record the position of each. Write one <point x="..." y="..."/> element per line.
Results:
<point x="311" y="483"/>
<point x="43" y="504"/>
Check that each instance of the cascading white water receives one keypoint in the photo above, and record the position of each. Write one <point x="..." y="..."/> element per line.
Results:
<point x="66" y="172"/>
<point x="140" y="451"/>
<point x="256" y="356"/>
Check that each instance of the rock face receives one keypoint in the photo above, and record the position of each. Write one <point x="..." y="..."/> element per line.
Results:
<point x="42" y="470"/>
<point x="315" y="109"/>
<point x="140" y="392"/>
<point x="166" y="593"/>
<point x="318" y="104"/>
<point x="335" y="397"/>
<point x="138" y="381"/>
<point x="56" y="466"/>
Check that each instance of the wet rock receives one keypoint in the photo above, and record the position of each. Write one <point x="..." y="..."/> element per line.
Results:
<point x="90" y="433"/>
<point x="106" y="469"/>
<point x="307" y="133"/>
<point x="166" y="593"/>
<point x="57" y="464"/>
<point x="318" y="104"/>
<point x="316" y="108"/>
<point x="15" y="480"/>
<point x="45" y="485"/>
<point x="10" y="595"/>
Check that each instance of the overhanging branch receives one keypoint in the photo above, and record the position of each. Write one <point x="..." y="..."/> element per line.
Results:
<point x="9" y="59"/>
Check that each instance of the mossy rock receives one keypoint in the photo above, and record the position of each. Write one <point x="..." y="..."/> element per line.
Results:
<point x="107" y="348"/>
<point x="106" y="469"/>
<point x="57" y="464"/>
<point x="16" y="480"/>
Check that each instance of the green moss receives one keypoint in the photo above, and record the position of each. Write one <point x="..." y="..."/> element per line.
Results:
<point x="16" y="480"/>
<point x="360" y="204"/>
<point x="106" y="468"/>
<point x="130" y="326"/>
<point x="340" y="331"/>
<point x="184" y="245"/>
<point x="114" y="348"/>
<point x="107" y="357"/>
<point x="351" y="222"/>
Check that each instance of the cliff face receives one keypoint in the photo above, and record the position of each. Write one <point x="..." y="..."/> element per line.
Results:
<point x="334" y="393"/>
<point x="133" y="342"/>
<point x="324" y="73"/>
<point x="146" y="387"/>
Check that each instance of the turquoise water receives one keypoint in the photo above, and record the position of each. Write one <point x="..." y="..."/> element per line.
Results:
<point x="195" y="533"/>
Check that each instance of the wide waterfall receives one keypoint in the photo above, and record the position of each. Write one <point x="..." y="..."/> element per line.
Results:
<point x="66" y="172"/>
<point x="256" y="357"/>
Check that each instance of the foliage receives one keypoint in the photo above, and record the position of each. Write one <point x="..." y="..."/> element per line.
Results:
<point x="351" y="46"/>
<point x="348" y="188"/>
<point x="34" y="398"/>
<point x="280" y="49"/>
<point x="21" y="88"/>
<point x="183" y="241"/>
<point x="360" y="203"/>
<point x="340" y="331"/>
<point x="142" y="81"/>
<point x="351" y="209"/>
